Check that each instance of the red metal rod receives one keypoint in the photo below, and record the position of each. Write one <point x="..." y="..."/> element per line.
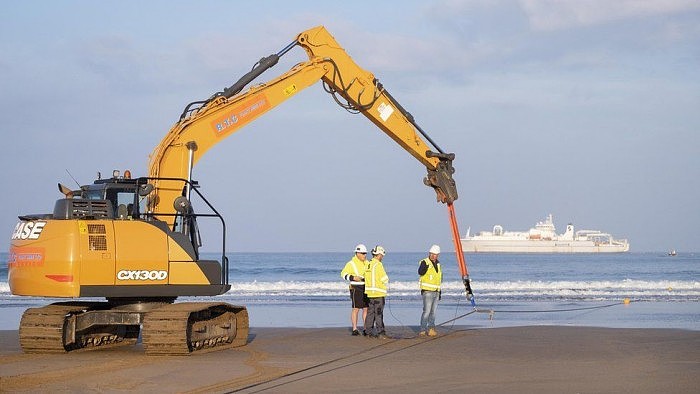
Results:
<point x="455" y="238"/>
<point x="460" y="255"/>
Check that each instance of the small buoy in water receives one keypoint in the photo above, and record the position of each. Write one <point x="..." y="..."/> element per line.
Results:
<point x="670" y="289"/>
<point x="626" y="301"/>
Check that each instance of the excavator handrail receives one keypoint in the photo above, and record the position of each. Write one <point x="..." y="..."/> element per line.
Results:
<point x="193" y="186"/>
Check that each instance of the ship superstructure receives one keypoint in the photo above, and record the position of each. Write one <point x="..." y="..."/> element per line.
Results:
<point x="543" y="239"/>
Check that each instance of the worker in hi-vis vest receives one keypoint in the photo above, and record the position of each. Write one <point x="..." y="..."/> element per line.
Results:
<point x="354" y="273"/>
<point x="376" y="281"/>
<point x="430" y="281"/>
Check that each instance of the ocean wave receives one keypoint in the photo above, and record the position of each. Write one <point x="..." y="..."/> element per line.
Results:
<point x="272" y="291"/>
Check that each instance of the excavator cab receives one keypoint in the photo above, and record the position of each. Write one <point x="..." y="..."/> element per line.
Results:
<point x="119" y="197"/>
<point x="122" y="197"/>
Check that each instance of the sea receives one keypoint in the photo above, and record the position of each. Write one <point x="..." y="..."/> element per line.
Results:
<point x="627" y="290"/>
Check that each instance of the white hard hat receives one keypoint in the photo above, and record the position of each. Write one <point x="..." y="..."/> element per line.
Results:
<point x="360" y="248"/>
<point x="435" y="249"/>
<point x="378" y="250"/>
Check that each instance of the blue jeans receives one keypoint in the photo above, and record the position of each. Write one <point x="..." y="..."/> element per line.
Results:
<point x="430" y="301"/>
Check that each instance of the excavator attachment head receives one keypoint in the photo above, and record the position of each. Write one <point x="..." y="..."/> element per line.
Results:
<point x="441" y="179"/>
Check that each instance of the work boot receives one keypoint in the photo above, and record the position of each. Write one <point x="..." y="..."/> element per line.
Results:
<point x="421" y="334"/>
<point x="432" y="332"/>
<point x="382" y="335"/>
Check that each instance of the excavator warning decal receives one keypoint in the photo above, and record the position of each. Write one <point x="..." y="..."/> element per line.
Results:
<point x="239" y="116"/>
<point x="290" y="90"/>
<point x="385" y="111"/>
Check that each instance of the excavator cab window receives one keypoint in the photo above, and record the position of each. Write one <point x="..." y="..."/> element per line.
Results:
<point x="123" y="198"/>
<point x="123" y="201"/>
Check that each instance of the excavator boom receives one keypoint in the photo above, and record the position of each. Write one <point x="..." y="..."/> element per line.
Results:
<point x="226" y="112"/>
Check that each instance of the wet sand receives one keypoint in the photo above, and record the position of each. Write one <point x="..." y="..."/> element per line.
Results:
<point x="535" y="359"/>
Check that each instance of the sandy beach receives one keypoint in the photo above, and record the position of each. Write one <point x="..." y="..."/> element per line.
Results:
<point x="533" y="359"/>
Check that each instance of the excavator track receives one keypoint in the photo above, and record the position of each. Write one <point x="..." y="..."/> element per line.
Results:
<point x="188" y="327"/>
<point x="45" y="330"/>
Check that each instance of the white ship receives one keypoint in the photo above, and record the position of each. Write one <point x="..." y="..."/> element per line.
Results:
<point x="543" y="239"/>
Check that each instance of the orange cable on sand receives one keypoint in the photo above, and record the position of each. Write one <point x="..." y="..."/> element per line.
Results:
<point x="461" y="262"/>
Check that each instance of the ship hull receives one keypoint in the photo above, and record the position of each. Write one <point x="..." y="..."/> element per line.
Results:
<point x="539" y="246"/>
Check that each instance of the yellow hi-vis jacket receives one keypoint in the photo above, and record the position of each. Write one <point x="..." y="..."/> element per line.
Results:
<point x="432" y="279"/>
<point x="354" y="267"/>
<point x="376" y="279"/>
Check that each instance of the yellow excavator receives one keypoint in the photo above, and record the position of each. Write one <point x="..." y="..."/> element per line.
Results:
<point x="134" y="241"/>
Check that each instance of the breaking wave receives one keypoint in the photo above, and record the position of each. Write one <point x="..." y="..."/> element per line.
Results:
<point x="521" y="290"/>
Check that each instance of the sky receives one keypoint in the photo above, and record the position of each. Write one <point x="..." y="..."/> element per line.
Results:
<point x="588" y="110"/>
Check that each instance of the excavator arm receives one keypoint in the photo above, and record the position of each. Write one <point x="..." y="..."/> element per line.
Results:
<point x="363" y="93"/>
<point x="205" y="123"/>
